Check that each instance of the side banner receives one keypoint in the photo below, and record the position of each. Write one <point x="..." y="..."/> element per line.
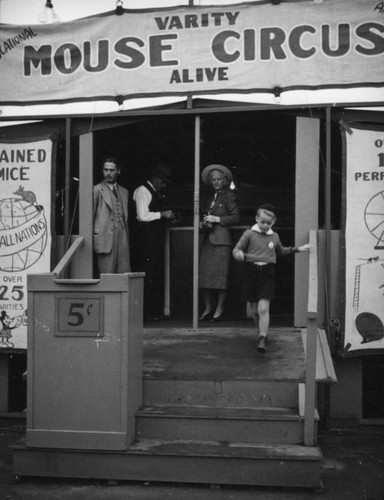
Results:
<point x="25" y="233"/>
<point x="364" y="241"/>
<point x="195" y="50"/>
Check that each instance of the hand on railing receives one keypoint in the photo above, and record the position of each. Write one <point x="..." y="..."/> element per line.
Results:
<point x="305" y="248"/>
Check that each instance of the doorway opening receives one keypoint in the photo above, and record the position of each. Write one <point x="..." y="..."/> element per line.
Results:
<point x="259" y="148"/>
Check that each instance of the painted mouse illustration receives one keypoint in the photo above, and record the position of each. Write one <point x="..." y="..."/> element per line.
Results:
<point x="28" y="196"/>
<point x="6" y="329"/>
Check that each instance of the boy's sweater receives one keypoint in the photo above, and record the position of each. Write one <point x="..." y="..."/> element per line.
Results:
<point x="261" y="247"/>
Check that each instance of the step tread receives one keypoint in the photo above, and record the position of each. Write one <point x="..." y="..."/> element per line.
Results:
<point x="180" y="462"/>
<point x="212" y="412"/>
<point x="225" y="449"/>
<point x="213" y="354"/>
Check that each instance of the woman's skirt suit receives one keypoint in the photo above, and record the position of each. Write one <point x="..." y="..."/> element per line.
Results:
<point x="216" y="245"/>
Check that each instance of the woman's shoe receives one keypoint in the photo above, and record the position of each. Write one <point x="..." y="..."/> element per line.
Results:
<point x="206" y="317"/>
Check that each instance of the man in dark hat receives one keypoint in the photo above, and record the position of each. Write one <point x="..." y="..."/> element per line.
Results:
<point x="150" y="215"/>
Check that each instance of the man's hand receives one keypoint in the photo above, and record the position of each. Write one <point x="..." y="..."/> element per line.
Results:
<point x="167" y="214"/>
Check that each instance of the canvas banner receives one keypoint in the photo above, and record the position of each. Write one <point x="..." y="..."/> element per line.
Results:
<point x="25" y="234"/>
<point x="181" y="51"/>
<point x="364" y="241"/>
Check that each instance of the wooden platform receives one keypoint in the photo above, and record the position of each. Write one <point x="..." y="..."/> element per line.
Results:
<point x="214" y="411"/>
<point x="222" y="353"/>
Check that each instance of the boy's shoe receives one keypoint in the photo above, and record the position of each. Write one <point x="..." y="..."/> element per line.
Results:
<point x="262" y="344"/>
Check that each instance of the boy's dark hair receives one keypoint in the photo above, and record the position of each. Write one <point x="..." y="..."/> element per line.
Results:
<point x="268" y="207"/>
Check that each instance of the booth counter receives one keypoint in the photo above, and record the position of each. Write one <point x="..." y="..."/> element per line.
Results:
<point x="84" y="361"/>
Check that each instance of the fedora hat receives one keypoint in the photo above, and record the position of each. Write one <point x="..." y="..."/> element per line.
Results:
<point x="207" y="172"/>
<point x="163" y="171"/>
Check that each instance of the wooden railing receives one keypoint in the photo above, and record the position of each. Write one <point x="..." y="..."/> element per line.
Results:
<point x="68" y="256"/>
<point x="311" y="339"/>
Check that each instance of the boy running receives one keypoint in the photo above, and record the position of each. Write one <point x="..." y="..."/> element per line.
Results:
<point x="258" y="247"/>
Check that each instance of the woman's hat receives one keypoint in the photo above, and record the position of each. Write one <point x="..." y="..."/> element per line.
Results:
<point x="163" y="171"/>
<point x="205" y="174"/>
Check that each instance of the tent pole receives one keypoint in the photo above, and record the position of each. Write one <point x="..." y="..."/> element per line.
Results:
<point x="328" y="254"/>
<point x="328" y="219"/>
<point x="67" y="190"/>
<point x="196" y="216"/>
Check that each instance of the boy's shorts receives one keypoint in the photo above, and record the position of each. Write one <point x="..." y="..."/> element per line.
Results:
<point x="260" y="282"/>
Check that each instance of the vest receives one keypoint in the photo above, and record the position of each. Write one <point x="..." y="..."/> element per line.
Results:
<point x="118" y="211"/>
<point x="156" y="204"/>
<point x="154" y="229"/>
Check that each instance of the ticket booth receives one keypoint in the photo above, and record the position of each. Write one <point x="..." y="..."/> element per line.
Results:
<point x="85" y="361"/>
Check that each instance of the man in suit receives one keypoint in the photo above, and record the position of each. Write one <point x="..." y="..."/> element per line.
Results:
<point x="110" y="222"/>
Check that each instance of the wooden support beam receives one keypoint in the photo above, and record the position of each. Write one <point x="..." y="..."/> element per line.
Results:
<point x="67" y="191"/>
<point x="327" y="205"/>
<point x="306" y="205"/>
<point x="84" y="262"/>
<point x="196" y="218"/>
<point x="310" y="365"/>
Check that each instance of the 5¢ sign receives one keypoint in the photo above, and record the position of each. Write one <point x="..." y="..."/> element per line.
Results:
<point x="79" y="315"/>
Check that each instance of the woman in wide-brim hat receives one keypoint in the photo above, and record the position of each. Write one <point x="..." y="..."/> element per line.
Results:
<point x="219" y="211"/>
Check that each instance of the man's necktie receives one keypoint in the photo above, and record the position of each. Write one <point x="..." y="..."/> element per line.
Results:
<point x="114" y="191"/>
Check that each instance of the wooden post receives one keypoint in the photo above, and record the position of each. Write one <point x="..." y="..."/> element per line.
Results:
<point x="306" y="208"/>
<point x="196" y="217"/>
<point x="167" y="274"/>
<point x="67" y="191"/>
<point x="327" y="204"/>
<point x="83" y="263"/>
<point x="310" y="365"/>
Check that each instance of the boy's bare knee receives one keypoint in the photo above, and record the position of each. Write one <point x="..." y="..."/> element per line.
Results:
<point x="263" y="308"/>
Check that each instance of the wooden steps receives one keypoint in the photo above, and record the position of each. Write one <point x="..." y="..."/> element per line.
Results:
<point x="181" y="461"/>
<point x="246" y="425"/>
<point x="219" y="393"/>
<point x="214" y="411"/>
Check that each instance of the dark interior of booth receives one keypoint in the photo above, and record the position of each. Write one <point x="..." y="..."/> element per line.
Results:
<point x="258" y="147"/>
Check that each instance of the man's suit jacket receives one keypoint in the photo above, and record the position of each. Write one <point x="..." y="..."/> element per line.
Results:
<point x="103" y="216"/>
<point x="226" y="208"/>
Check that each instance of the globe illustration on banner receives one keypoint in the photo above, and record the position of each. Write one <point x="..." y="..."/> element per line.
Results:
<point x="23" y="234"/>
<point x="374" y="219"/>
